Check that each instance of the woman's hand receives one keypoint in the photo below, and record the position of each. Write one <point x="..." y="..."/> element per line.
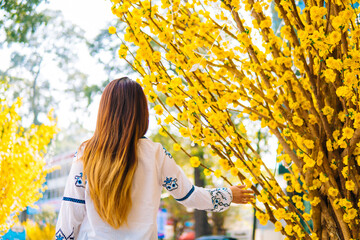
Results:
<point x="241" y="195"/>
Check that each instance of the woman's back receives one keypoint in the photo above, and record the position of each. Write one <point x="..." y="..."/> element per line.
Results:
<point x="145" y="195"/>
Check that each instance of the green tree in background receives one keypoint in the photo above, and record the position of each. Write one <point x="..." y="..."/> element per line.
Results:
<point x="20" y="19"/>
<point x="47" y="48"/>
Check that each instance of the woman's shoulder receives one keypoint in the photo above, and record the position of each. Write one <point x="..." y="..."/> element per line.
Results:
<point x="146" y="142"/>
<point x="150" y="146"/>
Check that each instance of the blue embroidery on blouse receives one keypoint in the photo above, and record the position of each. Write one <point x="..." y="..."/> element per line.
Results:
<point x="79" y="180"/>
<point x="75" y="154"/>
<point x="170" y="184"/>
<point x="61" y="236"/>
<point x="167" y="153"/>
<point x="187" y="195"/>
<point x="219" y="200"/>
<point x="73" y="200"/>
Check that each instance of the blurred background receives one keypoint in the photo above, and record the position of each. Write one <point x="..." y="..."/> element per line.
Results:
<point x="59" y="55"/>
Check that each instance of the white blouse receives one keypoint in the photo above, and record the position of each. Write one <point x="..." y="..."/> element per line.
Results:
<point x="156" y="168"/>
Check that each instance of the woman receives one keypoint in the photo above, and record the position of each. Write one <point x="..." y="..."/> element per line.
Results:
<point x="114" y="186"/>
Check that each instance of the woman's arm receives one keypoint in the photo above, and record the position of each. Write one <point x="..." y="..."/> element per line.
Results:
<point x="72" y="209"/>
<point x="216" y="199"/>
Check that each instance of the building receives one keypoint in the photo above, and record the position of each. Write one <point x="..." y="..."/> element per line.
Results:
<point x="56" y="180"/>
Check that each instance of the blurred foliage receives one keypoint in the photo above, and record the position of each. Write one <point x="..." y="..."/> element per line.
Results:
<point x="22" y="172"/>
<point x="35" y="231"/>
<point x="47" y="48"/>
<point x="42" y="226"/>
<point x="19" y="19"/>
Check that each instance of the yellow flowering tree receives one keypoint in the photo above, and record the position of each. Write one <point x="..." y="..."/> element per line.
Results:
<point x="22" y="172"/>
<point x="207" y="63"/>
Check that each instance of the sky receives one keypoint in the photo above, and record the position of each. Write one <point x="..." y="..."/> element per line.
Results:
<point x="90" y="15"/>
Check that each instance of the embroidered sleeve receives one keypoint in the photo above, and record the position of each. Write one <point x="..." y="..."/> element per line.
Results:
<point x="174" y="179"/>
<point x="179" y="186"/>
<point x="72" y="210"/>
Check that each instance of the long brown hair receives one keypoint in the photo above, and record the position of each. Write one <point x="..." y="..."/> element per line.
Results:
<point x="109" y="156"/>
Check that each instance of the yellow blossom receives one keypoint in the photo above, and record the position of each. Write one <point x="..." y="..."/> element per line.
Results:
<point x="333" y="192"/>
<point x="278" y="226"/>
<point x="207" y="172"/>
<point x="298" y="121"/>
<point x="217" y="173"/>
<point x="156" y="56"/>
<point x="350" y="185"/>
<point x="112" y="30"/>
<point x="169" y="119"/>
<point x="177" y="147"/>
<point x="309" y="144"/>
<point x="158" y="109"/>
<point x="195" y="162"/>
<point x="22" y="164"/>
<point x="348" y="132"/>
<point x="234" y="171"/>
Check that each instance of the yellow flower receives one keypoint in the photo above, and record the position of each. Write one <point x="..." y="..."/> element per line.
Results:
<point x="217" y="173"/>
<point x="312" y="119"/>
<point x="169" y="119"/>
<point x="344" y="91"/>
<point x="194" y="161"/>
<point x="323" y="177"/>
<point x="328" y="111"/>
<point x="280" y="213"/>
<point x="350" y="185"/>
<point x="170" y="101"/>
<point x="122" y="51"/>
<point x="348" y="132"/>
<point x="152" y="97"/>
<point x="315" y="201"/>
<point x="313" y="236"/>
<point x="162" y="131"/>
<point x="21" y="161"/>
<point x="336" y="203"/>
<point x="176" y="147"/>
<point x="329" y="145"/>
<point x="158" y="109"/>
<point x="334" y="37"/>
<point x="333" y="192"/>
<point x="352" y="213"/>
<point x="342" y="143"/>
<point x="289" y="230"/>
<point x="263" y="218"/>
<point x="278" y="226"/>
<point x="317" y="12"/>
<point x="330" y="75"/>
<point x="234" y="171"/>
<point x="307" y="216"/>
<point x="266" y="23"/>
<point x="336" y="134"/>
<point x="156" y="56"/>
<point x="207" y="172"/>
<point x="112" y="30"/>
<point x="248" y="183"/>
<point x="257" y="7"/>
<point x="297" y="121"/>
<point x="289" y="189"/>
<point x="345" y="172"/>
<point x="309" y="144"/>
